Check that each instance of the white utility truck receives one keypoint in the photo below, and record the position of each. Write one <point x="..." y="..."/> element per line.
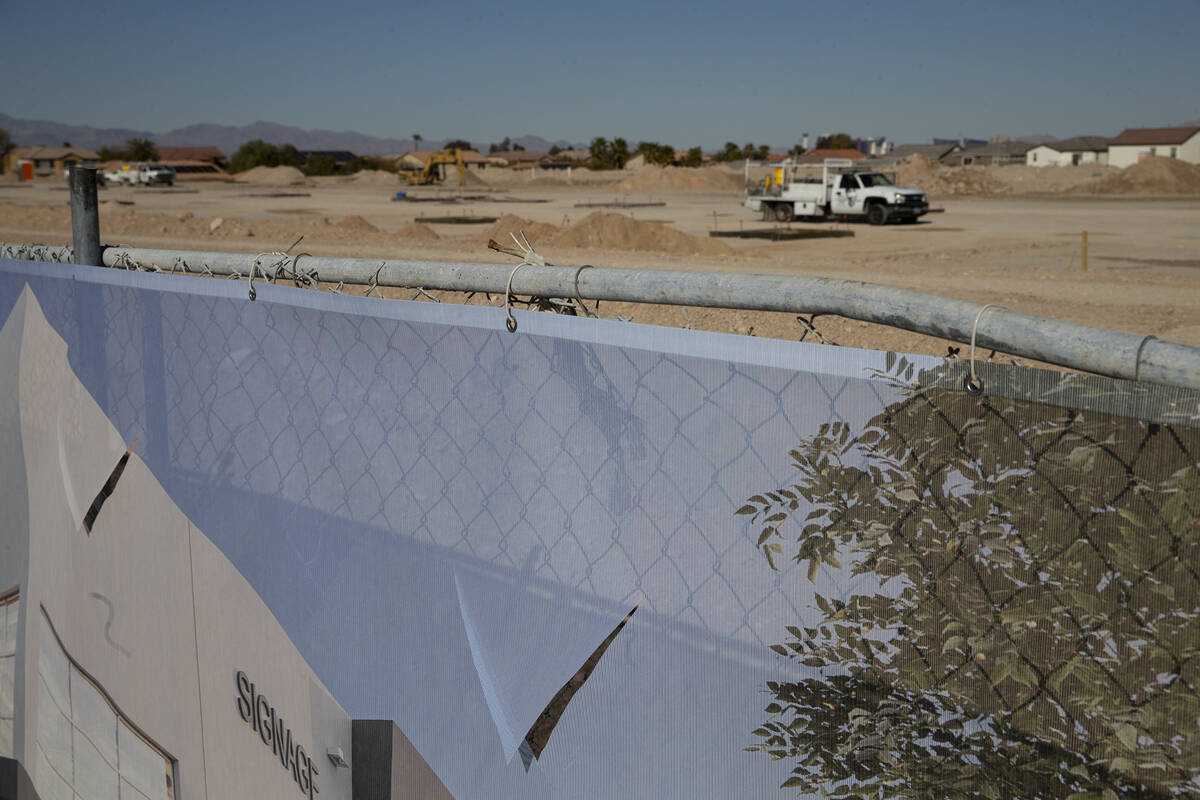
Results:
<point x="143" y="174"/>
<point x="841" y="188"/>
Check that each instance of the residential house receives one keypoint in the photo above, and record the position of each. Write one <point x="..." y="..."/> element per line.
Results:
<point x="47" y="161"/>
<point x="933" y="152"/>
<point x="989" y="154"/>
<point x="1134" y="144"/>
<point x="576" y="156"/>
<point x="516" y="158"/>
<point x="195" y="163"/>
<point x="819" y="156"/>
<point x="206" y="154"/>
<point x="1076" y="150"/>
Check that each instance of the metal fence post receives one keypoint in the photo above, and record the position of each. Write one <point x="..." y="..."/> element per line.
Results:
<point x="85" y="216"/>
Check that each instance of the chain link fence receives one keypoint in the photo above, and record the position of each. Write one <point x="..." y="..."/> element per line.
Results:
<point x="992" y="596"/>
<point x="1036" y="625"/>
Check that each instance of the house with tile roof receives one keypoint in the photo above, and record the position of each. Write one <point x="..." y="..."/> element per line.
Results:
<point x="194" y="163"/>
<point x="47" y="161"/>
<point x="819" y="156"/>
<point x="1076" y="150"/>
<point x="516" y="158"/>
<point x="934" y="152"/>
<point x="1134" y="144"/>
<point x="990" y="154"/>
<point x="211" y="155"/>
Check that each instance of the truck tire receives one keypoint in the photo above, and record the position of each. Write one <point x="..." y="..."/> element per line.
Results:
<point x="768" y="212"/>
<point x="877" y="214"/>
<point x="783" y="212"/>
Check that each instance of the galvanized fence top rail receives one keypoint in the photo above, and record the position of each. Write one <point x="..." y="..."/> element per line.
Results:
<point x="1097" y="350"/>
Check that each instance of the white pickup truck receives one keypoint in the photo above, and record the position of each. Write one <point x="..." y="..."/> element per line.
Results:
<point x="143" y="174"/>
<point x="841" y="189"/>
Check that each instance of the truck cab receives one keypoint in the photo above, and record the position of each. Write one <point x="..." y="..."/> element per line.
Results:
<point x="842" y="190"/>
<point x="155" y="174"/>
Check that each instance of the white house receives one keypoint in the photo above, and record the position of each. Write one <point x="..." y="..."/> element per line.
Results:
<point x="1076" y="150"/>
<point x="1134" y="144"/>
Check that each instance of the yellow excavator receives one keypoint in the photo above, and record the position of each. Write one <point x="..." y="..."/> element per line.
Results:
<point x="431" y="174"/>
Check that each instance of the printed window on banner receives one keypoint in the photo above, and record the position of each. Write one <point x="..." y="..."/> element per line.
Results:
<point x="85" y="747"/>
<point x="9" y="610"/>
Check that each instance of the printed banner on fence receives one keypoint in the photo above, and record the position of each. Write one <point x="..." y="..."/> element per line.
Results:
<point x="600" y="559"/>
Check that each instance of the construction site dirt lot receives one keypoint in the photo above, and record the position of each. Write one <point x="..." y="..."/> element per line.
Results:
<point x="1021" y="252"/>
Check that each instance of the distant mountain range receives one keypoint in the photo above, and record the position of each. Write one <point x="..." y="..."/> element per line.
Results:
<point x="229" y="138"/>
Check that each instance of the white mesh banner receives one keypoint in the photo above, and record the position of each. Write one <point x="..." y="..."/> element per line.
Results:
<point x="452" y="522"/>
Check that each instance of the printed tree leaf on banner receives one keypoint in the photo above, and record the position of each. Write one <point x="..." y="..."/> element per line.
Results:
<point x="1033" y="629"/>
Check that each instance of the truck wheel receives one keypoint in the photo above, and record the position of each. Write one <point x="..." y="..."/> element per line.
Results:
<point x="783" y="212"/>
<point x="768" y="212"/>
<point x="877" y="214"/>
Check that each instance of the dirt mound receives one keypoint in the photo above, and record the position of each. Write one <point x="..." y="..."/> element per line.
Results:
<point x="355" y="225"/>
<point x="536" y="232"/>
<point x="373" y="177"/>
<point x="619" y="232"/>
<point x="1067" y="179"/>
<point x="473" y="179"/>
<point x="48" y="218"/>
<point x="920" y="172"/>
<point x="273" y="176"/>
<point x="1154" y="175"/>
<point x="418" y="232"/>
<point x="685" y="179"/>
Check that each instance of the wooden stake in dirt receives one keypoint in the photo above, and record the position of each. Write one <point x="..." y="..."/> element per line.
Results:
<point x="1084" y="255"/>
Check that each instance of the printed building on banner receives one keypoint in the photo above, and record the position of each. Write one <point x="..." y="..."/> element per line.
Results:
<point x="135" y="660"/>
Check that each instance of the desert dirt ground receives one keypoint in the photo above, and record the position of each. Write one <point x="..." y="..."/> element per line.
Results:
<point x="1022" y="252"/>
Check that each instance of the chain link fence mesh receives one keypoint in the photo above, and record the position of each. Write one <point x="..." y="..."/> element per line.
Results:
<point x="377" y="453"/>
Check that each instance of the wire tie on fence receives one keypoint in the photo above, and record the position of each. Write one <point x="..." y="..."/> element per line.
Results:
<point x="420" y="291"/>
<point x="810" y="326"/>
<point x="374" y="281"/>
<point x="1137" y="360"/>
<point x="579" y="300"/>
<point x="973" y="384"/>
<point x="309" y="277"/>
<point x="254" y="266"/>
<point x="338" y="289"/>
<point x="511" y="321"/>
<point x="123" y="261"/>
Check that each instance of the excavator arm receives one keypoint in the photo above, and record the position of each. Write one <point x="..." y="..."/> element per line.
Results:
<point x="430" y="173"/>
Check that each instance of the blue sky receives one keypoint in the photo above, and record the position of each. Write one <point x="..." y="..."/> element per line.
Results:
<point x="684" y="73"/>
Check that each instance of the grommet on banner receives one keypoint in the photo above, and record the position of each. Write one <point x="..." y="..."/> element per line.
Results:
<point x="972" y="384"/>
